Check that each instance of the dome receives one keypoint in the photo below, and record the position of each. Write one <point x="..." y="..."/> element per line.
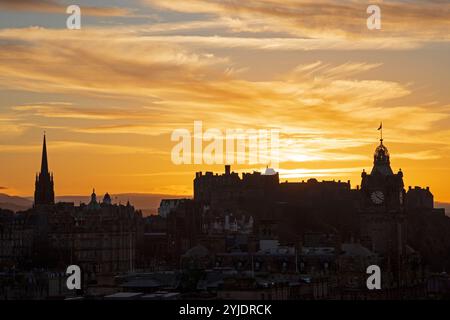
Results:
<point x="381" y="153"/>
<point x="107" y="198"/>
<point x="93" y="197"/>
<point x="270" y="172"/>
<point x="93" y="204"/>
<point x="381" y="161"/>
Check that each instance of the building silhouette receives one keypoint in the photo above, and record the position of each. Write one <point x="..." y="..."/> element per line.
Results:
<point x="250" y="236"/>
<point x="383" y="218"/>
<point x="100" y="237"/>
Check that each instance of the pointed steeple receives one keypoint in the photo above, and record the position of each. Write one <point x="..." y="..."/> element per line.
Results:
<point x="44" y="188"/>
<point x="44" y="162"/>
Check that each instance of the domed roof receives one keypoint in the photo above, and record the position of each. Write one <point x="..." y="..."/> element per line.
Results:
<point x="93" y="197"/>
<point x="381" y="152"/>
<point x="107" y="198"/>
<point x="381" y="161"/>
<point x="93" y="204"/>
<point x="270" y="172"/>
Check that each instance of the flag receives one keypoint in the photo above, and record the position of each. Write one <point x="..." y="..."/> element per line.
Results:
<point x="381" y="126"/>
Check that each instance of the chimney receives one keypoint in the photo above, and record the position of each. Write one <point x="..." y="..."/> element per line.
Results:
<point x="227" y="169"/>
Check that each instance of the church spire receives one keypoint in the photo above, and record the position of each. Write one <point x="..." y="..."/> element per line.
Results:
<point x="44" y="162"/>
<point x="44" y="189"/>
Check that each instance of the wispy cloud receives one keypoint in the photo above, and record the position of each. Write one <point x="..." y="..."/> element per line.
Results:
<point x="10" y="126"/>
<point x="420" y="155"/>
<point x="177" y="85"/>
<point x="307" y="173"/>
<point x="423" y="20"/>
<point x="289" y="44"/>
<point x="85" y="113"/>
<point x="54" y="6"/>
<point x="76" y="146"/>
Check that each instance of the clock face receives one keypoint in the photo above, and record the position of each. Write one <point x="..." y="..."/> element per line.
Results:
<point x="377" y="197"/>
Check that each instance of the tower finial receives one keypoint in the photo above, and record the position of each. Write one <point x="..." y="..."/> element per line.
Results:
<point x="380" y="128"/>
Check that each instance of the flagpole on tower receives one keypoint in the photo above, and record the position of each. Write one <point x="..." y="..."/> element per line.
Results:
<point x="381" y="132"/>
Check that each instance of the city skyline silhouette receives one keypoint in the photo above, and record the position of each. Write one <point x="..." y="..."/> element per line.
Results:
<point x="220" y="150"/>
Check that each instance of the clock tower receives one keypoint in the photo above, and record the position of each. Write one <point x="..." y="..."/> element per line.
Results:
<point x="382" y="208"/>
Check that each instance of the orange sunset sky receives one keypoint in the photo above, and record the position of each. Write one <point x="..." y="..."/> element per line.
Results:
<point x="110" y="95"/>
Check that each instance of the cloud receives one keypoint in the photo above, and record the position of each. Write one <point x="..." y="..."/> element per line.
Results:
<point x="420" y="155"/>
<point x="425" y="20"/>
<point x="129" y="66"/>
<point x="78" y="146"/>
<point x="167" y="86"/>
<point x="53" y="6"/>
<point x="308" y="173"/>
<point x="290" y="44"/>
<point x="71" y="112"/>
<point x="9" y="126"/>
<point x="123" y="129"/>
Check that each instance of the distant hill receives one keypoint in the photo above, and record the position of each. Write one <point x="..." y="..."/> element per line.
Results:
<point x="148" y="203"/>
<point x="14" y="203"/>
